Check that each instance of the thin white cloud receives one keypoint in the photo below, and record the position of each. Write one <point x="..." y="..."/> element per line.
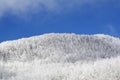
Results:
<point x="23" y="5"/>
<point x="112" y="30"/>
<point x="31" y="6"/>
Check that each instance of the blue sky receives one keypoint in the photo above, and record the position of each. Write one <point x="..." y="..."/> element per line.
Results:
<point x="25" y="18"/>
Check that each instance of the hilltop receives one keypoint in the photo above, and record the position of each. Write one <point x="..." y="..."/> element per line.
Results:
<point x="42" y="57"/>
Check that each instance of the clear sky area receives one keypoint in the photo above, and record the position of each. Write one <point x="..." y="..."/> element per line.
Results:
<point x="25" y="18"/>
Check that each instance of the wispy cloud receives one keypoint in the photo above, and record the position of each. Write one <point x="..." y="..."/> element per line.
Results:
<point x="31" y="6"/>
<point x="112" y="30"/>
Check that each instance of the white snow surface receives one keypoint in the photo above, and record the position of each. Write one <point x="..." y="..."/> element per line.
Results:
<point x="62" y="56"/>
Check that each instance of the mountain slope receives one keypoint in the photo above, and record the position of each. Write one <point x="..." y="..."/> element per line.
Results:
<point x="61" y="57"/>
<point x="61" y="47"/>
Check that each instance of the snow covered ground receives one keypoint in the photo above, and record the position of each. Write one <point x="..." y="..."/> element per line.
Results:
<point x="61" y="57"/>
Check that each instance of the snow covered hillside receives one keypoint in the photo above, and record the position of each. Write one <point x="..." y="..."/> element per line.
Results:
<point x="61" y="57"/>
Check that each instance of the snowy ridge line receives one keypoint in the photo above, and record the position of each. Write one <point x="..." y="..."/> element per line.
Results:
<point x="61" y="48"/>
<point x="61" y="57"/>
